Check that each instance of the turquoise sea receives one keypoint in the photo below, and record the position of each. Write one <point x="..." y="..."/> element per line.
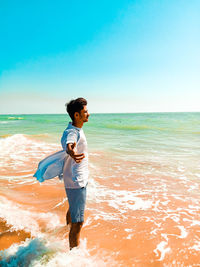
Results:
<point x="134" y="136"/>
<point x="115" y="132"/>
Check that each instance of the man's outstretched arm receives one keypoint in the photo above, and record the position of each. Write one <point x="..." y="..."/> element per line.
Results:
<point x="71" y="151"/>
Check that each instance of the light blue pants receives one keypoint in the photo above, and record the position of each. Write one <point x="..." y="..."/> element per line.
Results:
<point x="77" y="200"/>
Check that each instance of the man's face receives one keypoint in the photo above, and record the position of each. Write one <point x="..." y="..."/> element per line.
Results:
<point x="84" y="114"/>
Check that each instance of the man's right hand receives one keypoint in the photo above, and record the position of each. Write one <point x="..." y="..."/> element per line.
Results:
<point x="71" y="151"/>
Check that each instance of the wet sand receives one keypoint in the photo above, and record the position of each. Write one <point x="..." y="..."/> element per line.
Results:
<point x="139" y="221"/>
<point x="9" y="236"/>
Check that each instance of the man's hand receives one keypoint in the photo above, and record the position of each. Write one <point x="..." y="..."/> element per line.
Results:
<point x="71" y="151"/>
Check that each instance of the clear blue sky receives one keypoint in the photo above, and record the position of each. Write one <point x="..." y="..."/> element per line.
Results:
<point x="123" y="56"/>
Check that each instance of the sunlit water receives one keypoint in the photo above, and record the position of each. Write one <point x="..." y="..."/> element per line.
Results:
<point x="143" y="200"/>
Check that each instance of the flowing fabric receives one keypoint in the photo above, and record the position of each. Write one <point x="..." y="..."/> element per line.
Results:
<point x="51" y="166"/>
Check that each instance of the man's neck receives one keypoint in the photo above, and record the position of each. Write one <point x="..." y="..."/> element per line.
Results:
<point x="77" y="124"/>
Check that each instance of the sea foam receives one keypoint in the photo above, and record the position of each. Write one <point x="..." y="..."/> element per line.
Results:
<point x="38" y="252"/>
<point x="20" y="218"/>
<point x="18" y="149"/>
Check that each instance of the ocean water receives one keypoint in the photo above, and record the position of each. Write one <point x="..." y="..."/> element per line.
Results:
<point x="143" y="202"/>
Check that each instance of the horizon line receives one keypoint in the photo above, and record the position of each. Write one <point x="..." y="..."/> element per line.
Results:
<point x="140" y="112"/>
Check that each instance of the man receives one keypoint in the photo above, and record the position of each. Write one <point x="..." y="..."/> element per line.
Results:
<point x="75" y="170"/>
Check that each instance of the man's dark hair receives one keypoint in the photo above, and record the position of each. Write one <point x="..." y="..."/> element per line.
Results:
<point x="75" y="106"/>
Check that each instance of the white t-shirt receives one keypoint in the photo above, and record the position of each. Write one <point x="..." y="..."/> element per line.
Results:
<point x="75" y="175"/>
